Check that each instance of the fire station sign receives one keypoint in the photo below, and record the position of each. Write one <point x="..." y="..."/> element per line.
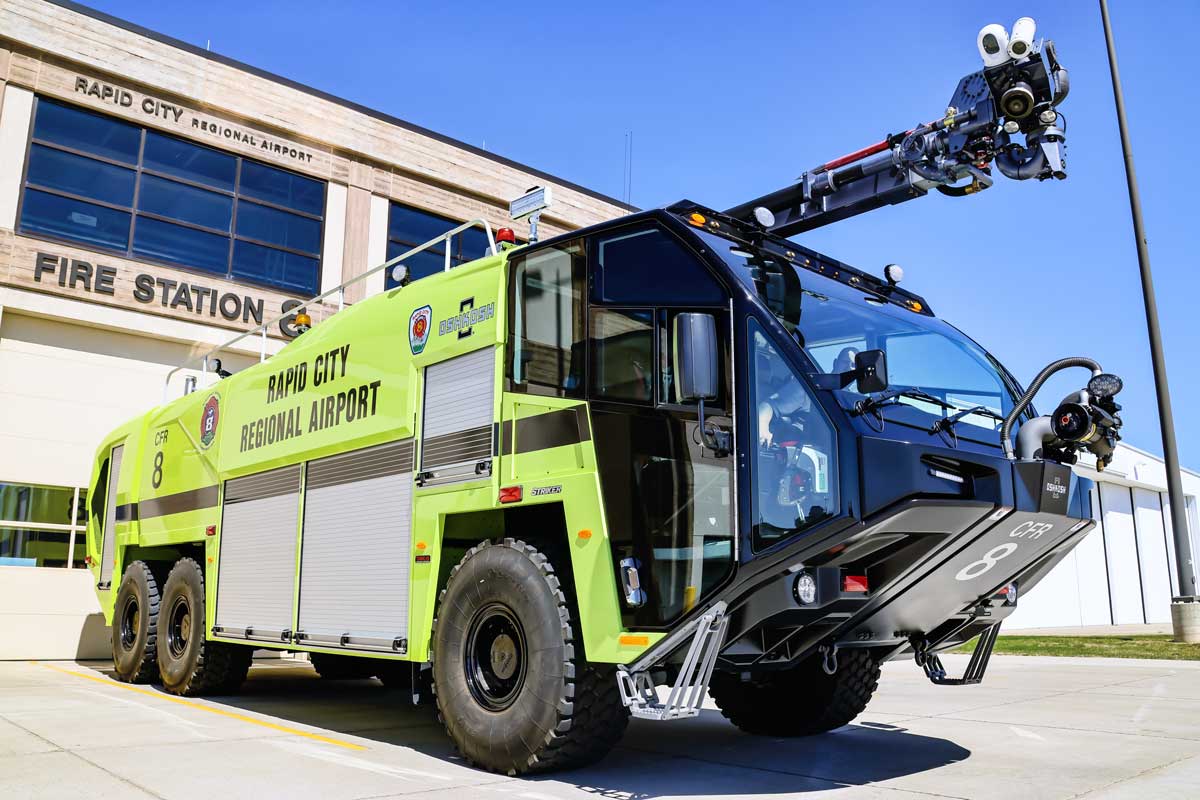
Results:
<point x="109" y="280"/>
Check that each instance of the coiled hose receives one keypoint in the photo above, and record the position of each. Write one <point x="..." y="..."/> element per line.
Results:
<point x="1042" y="377"/>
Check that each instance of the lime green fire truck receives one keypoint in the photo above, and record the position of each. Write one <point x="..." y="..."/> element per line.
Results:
<point x="613" y="472"/>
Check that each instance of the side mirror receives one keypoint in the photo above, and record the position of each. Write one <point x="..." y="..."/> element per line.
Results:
<point x="695" y="357"/>
<point x="870" y="371"/>
<point x="869" y="374"/>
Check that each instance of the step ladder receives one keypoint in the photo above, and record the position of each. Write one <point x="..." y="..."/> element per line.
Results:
<point x="686" y="696"/>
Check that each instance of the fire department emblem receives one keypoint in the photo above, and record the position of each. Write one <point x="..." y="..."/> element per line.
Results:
<point x="208" y="420"/>
<point x="418" y="329"/>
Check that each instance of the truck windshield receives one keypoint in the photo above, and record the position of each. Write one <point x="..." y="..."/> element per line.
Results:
<point x="833" y="322"/>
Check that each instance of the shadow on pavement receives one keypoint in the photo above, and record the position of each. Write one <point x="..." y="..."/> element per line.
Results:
<point x="704" y="756"/>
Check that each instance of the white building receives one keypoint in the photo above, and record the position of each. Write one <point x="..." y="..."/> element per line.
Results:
<point x="1123" y="572"/>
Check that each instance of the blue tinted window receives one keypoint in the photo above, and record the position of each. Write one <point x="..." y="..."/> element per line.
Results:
<point x="278" y="227"/>
<point x="179" y="188"/>
<point x="471" y="244"/>
<point x="282" y="188"/>
<point x="646" y="265"/>
<point x="415" y="227"/>
<point x="176" y="244"/>
<point x="96" y="180"/>
<point x="409" y="227"/>
<point x="277" y="267"/>
<point x="421" y="265"/>
<point x="186" y="203"/>
<point x="84" y="222"/>
<point x="190" y="161"/>
<point x="81" y="130"/>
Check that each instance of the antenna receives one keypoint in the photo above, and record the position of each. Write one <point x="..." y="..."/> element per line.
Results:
<point x="629" y="178"/>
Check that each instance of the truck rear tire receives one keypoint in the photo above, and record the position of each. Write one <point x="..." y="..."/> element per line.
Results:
<point x="335" y="667"/>
<point x="188" y="663"/>
<point x="135" y="625"/>
<point x="510" y="689"/>
<point x="801" y="701"/>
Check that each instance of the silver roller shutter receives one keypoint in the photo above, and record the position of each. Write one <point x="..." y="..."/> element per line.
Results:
<point x="354" y="572"/>
<point x="256" y="578"/>
<point x="456" y="428"/>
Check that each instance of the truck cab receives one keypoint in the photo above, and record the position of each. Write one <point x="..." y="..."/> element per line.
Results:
<point x="810" y="472"/>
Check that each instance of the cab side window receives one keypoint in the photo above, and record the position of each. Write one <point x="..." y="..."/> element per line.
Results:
<point x="648" y="265"/>
<point x="623" y="355"/>
<point x="547" y="323"/>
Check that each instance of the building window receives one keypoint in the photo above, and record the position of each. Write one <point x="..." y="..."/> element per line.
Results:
<point x="408" y="227"/>
<point x="42" y="526"/>
<point x="143" y="194"/>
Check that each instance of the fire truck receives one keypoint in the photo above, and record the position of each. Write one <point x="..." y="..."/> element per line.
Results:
<point x="617" y="471"/>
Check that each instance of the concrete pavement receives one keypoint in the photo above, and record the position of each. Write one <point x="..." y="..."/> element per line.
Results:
<point x="1037" y="728"/>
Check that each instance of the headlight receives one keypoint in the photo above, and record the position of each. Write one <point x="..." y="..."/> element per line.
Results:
<point x="805" y="589"/>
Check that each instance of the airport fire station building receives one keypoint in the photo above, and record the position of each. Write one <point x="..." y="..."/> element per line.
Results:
<point x="156" y="199"/>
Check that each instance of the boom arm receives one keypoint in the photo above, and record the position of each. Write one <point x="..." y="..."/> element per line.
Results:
<point x="1016" y="96"/>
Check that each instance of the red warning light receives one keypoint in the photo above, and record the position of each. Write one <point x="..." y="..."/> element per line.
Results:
<point x="854" y="583"/>
<point x="510" y="494"/>
<point x="506" y="235"/>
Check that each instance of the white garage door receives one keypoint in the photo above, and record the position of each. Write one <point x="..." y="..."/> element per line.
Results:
<point x="1120" y="542"/>
<point x="63" y="386"/>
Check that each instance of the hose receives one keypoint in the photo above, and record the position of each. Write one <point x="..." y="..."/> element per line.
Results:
<point x="1042" y="377"/>
<point x="1018" y="169"/>
<point x="1062" y="81"/>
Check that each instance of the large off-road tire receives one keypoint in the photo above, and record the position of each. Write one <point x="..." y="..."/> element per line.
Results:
<point x="135" y="625"/>
<point x="511" y="689"/>
<point x="189" y="664"/>
<point x="801" y="701"/>
<point x="335" y="667"/>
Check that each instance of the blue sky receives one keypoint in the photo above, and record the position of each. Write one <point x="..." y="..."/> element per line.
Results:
<point x="728" y="101"/>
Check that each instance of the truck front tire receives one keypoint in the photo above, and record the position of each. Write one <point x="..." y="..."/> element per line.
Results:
<point x="511" y="690"/>
<point x="801" y="701"/>
<point x="135" y="625"/>
<point x="188" y="663"/>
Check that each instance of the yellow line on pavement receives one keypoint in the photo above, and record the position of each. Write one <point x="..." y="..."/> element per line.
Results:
<point x="210" y="709"/>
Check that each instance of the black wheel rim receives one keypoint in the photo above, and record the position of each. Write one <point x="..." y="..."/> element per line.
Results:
<point x="179" y="627"/>
<point x="495" y="657"/>
<point x="131" y="622"/>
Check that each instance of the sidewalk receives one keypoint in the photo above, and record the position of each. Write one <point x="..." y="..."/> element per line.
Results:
<point x="1093" y="630"/>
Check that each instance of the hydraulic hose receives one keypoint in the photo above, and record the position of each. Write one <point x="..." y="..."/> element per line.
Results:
<point x="1062" y="81"/>
<point x="1027" y="398"/>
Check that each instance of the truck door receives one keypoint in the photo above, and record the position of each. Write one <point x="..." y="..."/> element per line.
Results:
<point x="108" y="530"/>
<point x="668" y="500"/>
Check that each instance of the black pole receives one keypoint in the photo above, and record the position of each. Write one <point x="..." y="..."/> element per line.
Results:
<point x="1183" y="547"/>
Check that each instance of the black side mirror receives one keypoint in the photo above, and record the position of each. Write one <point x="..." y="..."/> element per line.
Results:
<point x="695" y="357"/>
<point x="870" y="371"/>
<point x="696" y="376"/>
<point x="869" y="374"/>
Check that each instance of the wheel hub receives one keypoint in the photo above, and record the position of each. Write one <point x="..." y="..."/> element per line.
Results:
<point x="131" y="622"/>
<point x="504" y="656"/>
<point x="179" y="627"/>
<point x="494" y="659"/>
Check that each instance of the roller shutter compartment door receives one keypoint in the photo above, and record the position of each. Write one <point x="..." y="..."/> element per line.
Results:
<point x="456" y="427"/>
<point x="256" y="576"/>
<point x="354" y="571"/>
